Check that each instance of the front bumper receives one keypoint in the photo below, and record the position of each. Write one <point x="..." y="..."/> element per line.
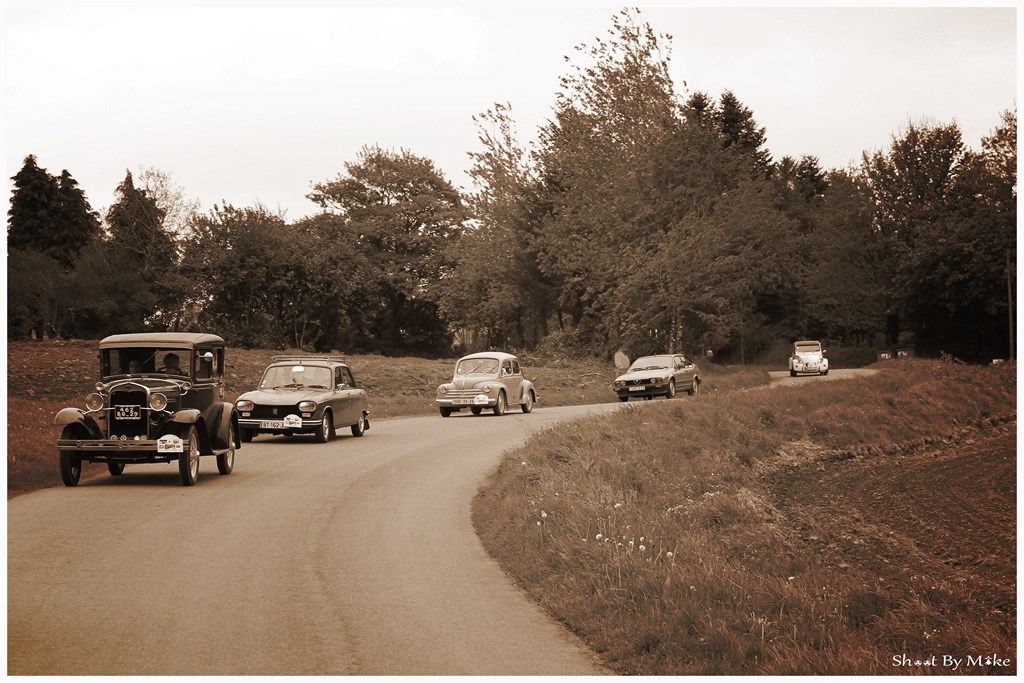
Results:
<point x="164" y="449"/>
<point x="809" y="368"/>
<point x="635" y="391"/>
<point x="478" y="401"/>
<point x="290" y="424"/>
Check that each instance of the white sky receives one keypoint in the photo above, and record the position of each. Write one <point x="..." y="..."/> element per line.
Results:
<point x="247" y="104"/>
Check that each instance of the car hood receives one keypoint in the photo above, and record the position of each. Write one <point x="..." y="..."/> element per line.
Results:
<point x="161" y="384"/>
<point x="643" y="374"/>
<point x="472" y="382"/>
<point x="281" y="396"/>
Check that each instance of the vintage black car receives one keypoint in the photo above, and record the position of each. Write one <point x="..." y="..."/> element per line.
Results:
<point x="304" y="395"/>
<point x="160" y="399"/>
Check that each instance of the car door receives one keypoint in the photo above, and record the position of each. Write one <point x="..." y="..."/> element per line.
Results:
<point x="344" y="402"/>
<point x="683" y="372"/>
<point x="512" y="377"/>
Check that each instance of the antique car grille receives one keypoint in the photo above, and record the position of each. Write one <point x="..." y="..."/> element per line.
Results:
<point x="463" y="393"/>
<point x="274" y="412"/>
<point x="128" y="427"/>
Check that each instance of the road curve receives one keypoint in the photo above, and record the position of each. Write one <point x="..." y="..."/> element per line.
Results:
<point x="355" y="557"/>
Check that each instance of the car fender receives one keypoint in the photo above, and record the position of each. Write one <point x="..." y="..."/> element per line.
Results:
<point x="222" y="417"/>
<point x="525" y="388"/>
<point x="77" y="416"/>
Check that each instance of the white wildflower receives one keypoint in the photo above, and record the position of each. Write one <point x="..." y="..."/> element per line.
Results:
<point x="643" y="548"/>
<point x="598" y="537"/>
<point x="543" y="514"/>
<point x="669" y="554"/>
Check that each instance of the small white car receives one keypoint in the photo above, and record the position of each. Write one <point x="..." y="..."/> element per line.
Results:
<point x="489" y="380"/>
<point x="808" y="358"/>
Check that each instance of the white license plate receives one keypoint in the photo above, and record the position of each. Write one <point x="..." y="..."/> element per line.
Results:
<point x="637" y="388"/>
<point x="271" y="424"/>
<point x="128" y="412"/>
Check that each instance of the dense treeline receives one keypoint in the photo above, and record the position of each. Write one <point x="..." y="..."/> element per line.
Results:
<point x="642" y="218"/>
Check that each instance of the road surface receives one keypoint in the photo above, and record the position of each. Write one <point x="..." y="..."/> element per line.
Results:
<point x="355" y="557"/>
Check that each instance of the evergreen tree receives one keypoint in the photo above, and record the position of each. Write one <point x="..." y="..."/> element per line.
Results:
<point x="49" y="215"/>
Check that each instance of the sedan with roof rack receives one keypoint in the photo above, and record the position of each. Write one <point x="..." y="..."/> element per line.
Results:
<point x="304" y="394"/>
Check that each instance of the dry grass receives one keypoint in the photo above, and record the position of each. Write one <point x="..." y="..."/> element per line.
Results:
<point x="766" y="532"/>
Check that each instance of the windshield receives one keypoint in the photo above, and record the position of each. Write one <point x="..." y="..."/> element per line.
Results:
<point x="808" y="348"/>
<point x="296" y="377"/>
<point x="145" y="361"/>
<point x="477" y="366"/>
<point x="651" y="363"/>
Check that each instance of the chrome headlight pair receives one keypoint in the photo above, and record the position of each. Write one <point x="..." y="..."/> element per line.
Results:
<point x="94" y="402"/>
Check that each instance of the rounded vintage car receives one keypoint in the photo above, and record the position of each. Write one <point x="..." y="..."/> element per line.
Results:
<point x="159" y="400"/>
<point x="663" y="375"/>
<point x="808" y="358"/>
<point x="491" y="380"/>
<point x="304" y="395"/>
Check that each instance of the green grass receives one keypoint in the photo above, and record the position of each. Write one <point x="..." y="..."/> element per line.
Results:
<point x="661" y="534"/>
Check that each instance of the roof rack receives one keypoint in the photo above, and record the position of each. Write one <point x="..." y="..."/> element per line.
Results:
<point x="336" y="359"/>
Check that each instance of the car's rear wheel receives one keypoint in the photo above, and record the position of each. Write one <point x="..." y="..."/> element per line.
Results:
<point x="359" y="428"/>
<point x="226" y="461"/>
<point x="445" y="412"/>
<point x="326" y="431"/>
<point x="116" y="469"/>
<point x="623" y="398"/>
<point x="527" y="404"/>
<point x="694" y="387"/>
<point x="671" y="391"/>
<point x="188" y="461"/>
<point x="476" y="410"/>
<point x="499" y="407"/>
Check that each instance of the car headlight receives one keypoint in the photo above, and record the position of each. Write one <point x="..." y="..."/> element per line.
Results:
<point x="656" y="380"/>
<point x="157" y="401"/>
<point x="488" y="388"/>
<point x="443" y="389"/>
<point x="244" y="404"/>
<point x="618" y="383"/>
<point x="307" y="406"/>
<point x="93" y="402"/>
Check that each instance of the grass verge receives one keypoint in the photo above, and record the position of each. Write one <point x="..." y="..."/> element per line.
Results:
<point x="855" y="527"/>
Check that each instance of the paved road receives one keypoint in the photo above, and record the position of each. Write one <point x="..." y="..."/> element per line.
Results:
<point x="355" y="557"/>
<point x="781" y="378"/>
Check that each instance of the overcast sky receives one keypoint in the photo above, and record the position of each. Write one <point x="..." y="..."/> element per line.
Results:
<point x="246" y="105"/>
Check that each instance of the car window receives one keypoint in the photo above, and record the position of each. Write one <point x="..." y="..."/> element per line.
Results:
<point x="515" y="367"/>
<point x="651" y="363"/>
<point x="339" y="377"/>
<point x="477" y="366"/>
<point x="296" y="377"/>
<point x="349" y="379"/>
<point x="506" y="368"/>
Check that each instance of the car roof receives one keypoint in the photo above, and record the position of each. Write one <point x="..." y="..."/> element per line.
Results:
<point x="172" y="339"/>
<point x="490" y="354"/>
<point x="808" y="343"/>
<point x="307" y="360"/>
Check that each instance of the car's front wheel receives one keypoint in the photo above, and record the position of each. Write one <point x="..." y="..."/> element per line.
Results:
<point x="246" y="435"/>
<point x="188" y="461"/>
<point x="359" y="428"/>
<point x="70" y="463"/>
<point x="226" y="461"/>
<point x="499" y="407"/>
<point x="623" y="398"/>
<point x="694" y="388"/>
<point x="671" y="391"/>
<point x="116" y="469"/>
<point x="326" y="431"/>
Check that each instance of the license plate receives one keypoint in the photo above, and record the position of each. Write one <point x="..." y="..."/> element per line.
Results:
<point x="271" y="424"/>
<point x="128" y="412"/>
<point x="637" y="388"/>
<point x="461" y="401"/>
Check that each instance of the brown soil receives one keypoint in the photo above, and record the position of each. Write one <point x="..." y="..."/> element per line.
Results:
<point x="937" y="512"/>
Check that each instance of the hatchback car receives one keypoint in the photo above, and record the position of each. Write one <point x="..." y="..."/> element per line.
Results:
<point x="808" y="358"/>
<point x="159" y="399"/>
<point x="486" y="380"/>
<point x="304" y="395"/>
<point x="650" y="376"/>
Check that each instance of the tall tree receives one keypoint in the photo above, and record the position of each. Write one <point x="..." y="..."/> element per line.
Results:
<point x="404" y="214"/>
<point x="49" y="215"/>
